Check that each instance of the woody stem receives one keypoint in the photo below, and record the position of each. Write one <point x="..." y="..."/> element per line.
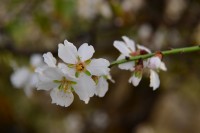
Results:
<point x="166" y="52"/>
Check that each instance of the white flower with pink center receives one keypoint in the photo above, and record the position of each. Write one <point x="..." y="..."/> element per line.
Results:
<point x="128" y="49"/>
<point x="155" y="64"/>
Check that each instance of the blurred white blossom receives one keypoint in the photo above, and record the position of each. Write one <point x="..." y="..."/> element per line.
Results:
<point x="159" y="39"/>
<point x="144" y="33"/>
<point x="174" y="9"/>
<point x="134" y="5"/>
<point x="25" y="77"/>
<point x="88" y="9"/>
<point x="73" y="123"/>
<point x="100" y="119"/>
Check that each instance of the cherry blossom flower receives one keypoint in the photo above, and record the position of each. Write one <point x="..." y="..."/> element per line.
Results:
<point x="102" y="84"/>
<point x="62" y="85"/>
<point x="24" y="77"/>
<point x="79" y="64"/>
<point x="155" y="64"/>
<point x="129" y="49"/>
<point x="74" y="74"/>
<point x="79" y="61"/>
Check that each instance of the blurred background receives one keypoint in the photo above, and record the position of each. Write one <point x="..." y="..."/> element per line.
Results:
<point x="37" y="26"/>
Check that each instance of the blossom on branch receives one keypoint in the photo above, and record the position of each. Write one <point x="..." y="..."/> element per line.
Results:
<point x="75" y="74"/>
<point x="128" y="49"/>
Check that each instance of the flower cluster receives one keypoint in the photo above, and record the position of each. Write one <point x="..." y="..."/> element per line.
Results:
<point x="25" y="77"/>
<point x="128" y="49"/>
<point x="77" y="73"/>
<point x="80" y="74"/>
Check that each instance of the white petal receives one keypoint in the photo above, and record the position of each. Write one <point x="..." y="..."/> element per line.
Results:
<point x="43" y="77"/>
<point x="135" y="80"/>
<point x="163" y="67"/>
<point x="126" y="66"/>
<point x="145" y="63"/>
<point x="143" y="48"/>
<point x="154" y="80"/>
<point x="85" y="52"/>
<point x="98" y="67"/>
<point x="31" y="84"/>
<point x="61" y="98"/>
<point x="87" y="84"/>
<point x="20" y="77"/>
<point x="39" y="70"/>
<point x="66" y="70"/>
<point x="121" y="46"/>
<point x="53" y="73"/>
<point x="68" y="52"/>
<point x="49" y="59"/>
<point x="154" y="62"/>
<point x="102" y="87"/>
<point x="33" y="80"/>
<point x="36" y="60"/>
<point x="45" y="85"/>
<point x="85" y="87"/>
<point x="130" y="43"/>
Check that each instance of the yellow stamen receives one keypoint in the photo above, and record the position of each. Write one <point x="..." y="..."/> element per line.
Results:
<point x="80" y="67"/>
<point x="65" y="84"/>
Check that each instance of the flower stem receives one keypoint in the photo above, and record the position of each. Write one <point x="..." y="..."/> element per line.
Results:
<point x="167" y="52"/>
